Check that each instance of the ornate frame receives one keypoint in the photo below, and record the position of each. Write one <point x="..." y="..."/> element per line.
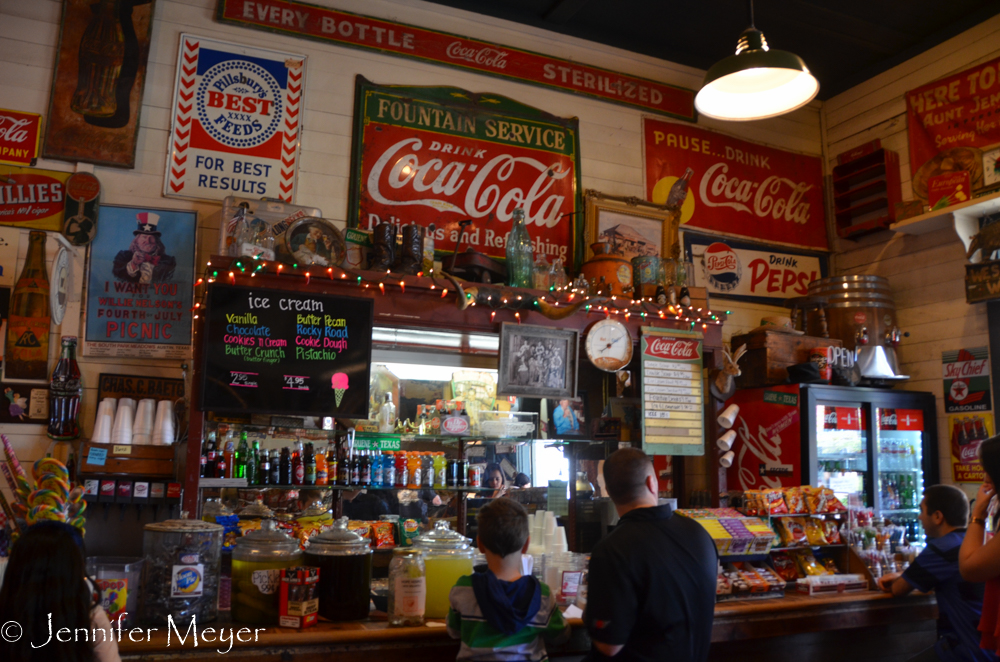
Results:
<point x="597" y="202"/>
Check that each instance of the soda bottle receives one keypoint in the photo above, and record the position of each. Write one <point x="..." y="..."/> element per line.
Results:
<point x="240" y="458"/>
<point x="264" y="468"/>
<point x="285" y="474"/>
<point x="388" y="469"/>
<point x="230" y="457"/>
<point x="253" y="464"/>
<point x="365" y="468"/>
<point x="310" y="465"/>
<point x="298" y="465"/>
<point x="376" y="469"/>
<point x="322" y="471"/>
<point x="520" y="253"/>
<point x="343" y="467"/>
<point x="210" y="456"/>
<point x="102" y="51"/>
<point x="65" y="389"/>
<point x="275" y="461"/>
<point x="332" y="465"/>
<point x="402" y="470"/>
<point x="28" y="325"/>
<point x="355" y="461"/>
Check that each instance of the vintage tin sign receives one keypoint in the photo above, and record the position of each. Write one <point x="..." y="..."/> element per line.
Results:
<point x="32" y="198"/>
<point x="236" y="122"/>
<point x="19" y="135"/>
<point x="738" y="187"/>
<point x="966" y="374"/>
<point x="393" y="38"/>
<point x="672" y="392"/>
<point x="751" y="272"/>
<point x="442" y="155"/>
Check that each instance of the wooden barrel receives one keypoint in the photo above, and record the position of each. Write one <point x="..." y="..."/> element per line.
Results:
<point x="855" y="302"/>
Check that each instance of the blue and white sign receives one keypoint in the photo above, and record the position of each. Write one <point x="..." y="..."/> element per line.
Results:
<point x="752" y="272"/>
<point x="236" y="122"/>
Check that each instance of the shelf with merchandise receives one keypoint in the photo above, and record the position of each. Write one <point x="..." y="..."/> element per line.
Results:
<point x="241" y="484"/>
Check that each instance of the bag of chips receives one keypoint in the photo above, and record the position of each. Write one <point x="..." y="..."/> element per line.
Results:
<point x="785" y="566"/>
<point x="809" y="565"/>
<point x="795" y="500"/>
<point x="793" y="532"/>
<point x="382" y="534"/>
<point x="831" y="532"/>
<point x="754" y="503"/>
<point x="821" y="500"/>
<point x="814" y="532"/>
<point x="775" y="502"/>
<point x="363" y="529"/>
<point x="831" y="566"/>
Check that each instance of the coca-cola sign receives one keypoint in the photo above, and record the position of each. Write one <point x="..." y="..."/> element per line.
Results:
<point x="738" y="187"/>
<point x="672" y="392"/>
<point x="672" y="349"/>
<point x="768" y="447"/>
<point x="19" y="137"/>
<point x="441" y="155"/>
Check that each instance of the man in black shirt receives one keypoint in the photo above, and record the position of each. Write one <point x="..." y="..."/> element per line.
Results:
<point x="651" y="587"/>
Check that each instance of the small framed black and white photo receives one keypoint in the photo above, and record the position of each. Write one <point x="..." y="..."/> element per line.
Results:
<point x="538" y="361"/>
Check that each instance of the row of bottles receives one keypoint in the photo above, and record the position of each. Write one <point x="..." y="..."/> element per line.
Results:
<point x="898" y="454"/>
<point x="899" y="491"/>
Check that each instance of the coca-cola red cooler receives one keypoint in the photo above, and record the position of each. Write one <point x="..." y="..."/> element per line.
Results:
<point x="821" y="435"/>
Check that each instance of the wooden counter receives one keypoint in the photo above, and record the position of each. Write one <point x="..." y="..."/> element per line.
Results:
<point x="771" y="630"/>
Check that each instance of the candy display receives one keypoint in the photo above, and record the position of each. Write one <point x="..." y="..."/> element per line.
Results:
<point x="748" y="581"/>
<point x="734" y="535"/>
<point x="180" y="573"/>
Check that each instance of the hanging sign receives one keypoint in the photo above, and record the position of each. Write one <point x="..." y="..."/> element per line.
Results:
<point x="966" y="375"/>
<point x="440" y="155"/>
<point x="672" y="393"/>
<point x="236" y="122"/>
<point x="949" y="121"/>
<point x="32" y="198"/>
<point x="392" y="38"/>
<point x="751" y="272"/>
<point x="83" y="193"/>
<point x="738" y="187"/>
<point x="138" y="387"/>
<point x="19" y="135"/>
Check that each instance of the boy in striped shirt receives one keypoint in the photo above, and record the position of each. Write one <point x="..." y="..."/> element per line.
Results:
<point x="499" y="614"/>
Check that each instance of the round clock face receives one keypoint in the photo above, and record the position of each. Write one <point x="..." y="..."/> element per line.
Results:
<point x="609" y="345"/>
<point x="991" y="167"/>
<point x="59" y="279"/>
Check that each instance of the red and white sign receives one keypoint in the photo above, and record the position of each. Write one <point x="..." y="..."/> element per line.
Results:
<point x="671" y="349"/>
<point x="672" y="392"/>
<point x="768" y="448"/>
<point x="738" y="187"/>
<point x="236" y="124"/>
<point x="358" y="31"/>
<point x="949" y="189"/>
<point x="19" y="135"/>
<point x="901" y="419"/>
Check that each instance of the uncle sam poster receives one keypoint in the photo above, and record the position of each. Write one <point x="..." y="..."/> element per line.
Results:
<point x="140" y="284"/>
<point x="236" y="122"/>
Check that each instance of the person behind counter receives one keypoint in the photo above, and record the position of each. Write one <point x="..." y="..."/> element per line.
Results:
<point x="979" y="559"/>
<point x="944" y="513"/>
<point x="651" y="587"/>
<point x="495" y="479"/>
<point x="45" y="589"/>
<point x="496" y="612"/>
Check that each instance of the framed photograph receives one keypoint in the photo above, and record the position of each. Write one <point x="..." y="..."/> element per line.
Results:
<point x="632" y="226"/>
<point x="538" y="361"/>
<point x="140" y="284"/>
<point x="98" y="82"/>
<point x="568" y="417"/>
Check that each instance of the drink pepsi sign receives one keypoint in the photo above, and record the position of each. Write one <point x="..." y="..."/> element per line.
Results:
<point x="753" y="272"/>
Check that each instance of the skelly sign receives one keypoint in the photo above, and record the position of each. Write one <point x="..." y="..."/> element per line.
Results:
<point x="440" y="155"/>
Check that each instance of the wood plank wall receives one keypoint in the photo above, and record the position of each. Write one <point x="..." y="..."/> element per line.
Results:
<point x="926" y="272"/>
<point x="610" y="135"/>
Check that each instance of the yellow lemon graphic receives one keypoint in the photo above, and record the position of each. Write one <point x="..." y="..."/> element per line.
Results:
<point x="662" y="190"/>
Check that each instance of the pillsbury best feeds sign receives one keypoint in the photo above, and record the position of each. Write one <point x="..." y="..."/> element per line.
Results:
<point x="236" y="122"/>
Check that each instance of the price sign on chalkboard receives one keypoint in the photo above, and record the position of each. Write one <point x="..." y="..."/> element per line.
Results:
<point x="286" y="352"/>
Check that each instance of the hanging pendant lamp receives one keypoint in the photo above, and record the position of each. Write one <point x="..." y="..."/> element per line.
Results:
<point x="756" y="82"/>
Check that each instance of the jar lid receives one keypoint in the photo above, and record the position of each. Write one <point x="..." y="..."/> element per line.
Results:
<point x="267" y="538"/>
<point x="257" y="509"/>
<point x="442" y="537"/>
<point x="338" y="540"/>
<point x="184" y="526"/>
<point x="406" y="551"/>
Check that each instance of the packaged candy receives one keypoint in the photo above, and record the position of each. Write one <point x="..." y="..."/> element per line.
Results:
<point x="795" y="500"/>
<point x="814" y="532"/>
<point x="809" y="565"/>
<point x="831" y="532"/>
<point x="793" y="532"/>
<point x="382" y="534"/>
<point x="785" y="566"/>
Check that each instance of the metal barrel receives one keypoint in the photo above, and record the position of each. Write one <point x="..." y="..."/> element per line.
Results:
<point x="855" y="302"/>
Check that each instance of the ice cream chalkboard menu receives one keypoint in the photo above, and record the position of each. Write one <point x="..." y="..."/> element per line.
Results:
<point x="286" y="352"/>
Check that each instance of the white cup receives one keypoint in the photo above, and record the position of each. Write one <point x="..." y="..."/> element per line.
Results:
<point x="121" y="433"/>
<point x="102" y="428"/>
<point x="727" y="459"/>
<point x="111" y="404"/>
<point x="725" y="442"/>
<point x="163" y="427"/>
<point x="728" y="417"/>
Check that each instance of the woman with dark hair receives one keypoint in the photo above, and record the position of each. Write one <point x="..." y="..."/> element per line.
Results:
<point x="979" y="558"/>
<point x="495" y="479"/>
<point x="45" y="588"/>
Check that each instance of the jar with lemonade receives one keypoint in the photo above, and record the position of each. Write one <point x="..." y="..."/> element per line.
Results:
<point x="447" y="556"/>
<point x="258" y="559"/>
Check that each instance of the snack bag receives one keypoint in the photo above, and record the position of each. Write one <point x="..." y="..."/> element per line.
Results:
<point x="408" y="530"/>
<point x="785" y="566"/>
<point x="795" y="500"/>
<point x="793" y="532"/>
<point x="831" y="566"/>
<point x="363" y="529"/>
<point x="775" y="502"/>
<point x="831" y="532"/>
<point x="382" y="534"/>
<point x="814" y="532"/>
<point x="752" y="502"/>
<point x="833" y="504"/>
<point x="809" y="565"/>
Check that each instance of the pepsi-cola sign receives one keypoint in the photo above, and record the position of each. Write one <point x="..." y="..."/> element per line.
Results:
<point x="753" y="272"/>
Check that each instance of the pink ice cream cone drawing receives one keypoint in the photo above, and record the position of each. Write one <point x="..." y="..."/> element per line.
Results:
<point x="339" y="385"/>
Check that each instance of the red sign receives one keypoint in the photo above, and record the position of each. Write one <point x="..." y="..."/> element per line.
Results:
<point x="949" y="120"/>
<point x="673" y="349"/>
<point x="19" y="133"/>
<point x="738" y="187"/>
<point x="768" y="447"/>
<point x="442" y="155"/>
<point x="32" y="198"/>
<point x="901" y="419"/>
<point x="359" y="31"/>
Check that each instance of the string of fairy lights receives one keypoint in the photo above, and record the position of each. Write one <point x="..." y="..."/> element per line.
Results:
<point x="498" y="297"/>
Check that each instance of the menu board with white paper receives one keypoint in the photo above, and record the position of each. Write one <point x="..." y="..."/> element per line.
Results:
<point x="672" y="392"/>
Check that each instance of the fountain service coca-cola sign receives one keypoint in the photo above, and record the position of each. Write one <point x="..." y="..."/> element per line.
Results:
<point x="443" y="155"/>
<point x="738" y="187"/>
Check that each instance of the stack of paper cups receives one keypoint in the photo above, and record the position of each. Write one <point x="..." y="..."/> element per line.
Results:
<point x="728" y="417"/>
<point x="121" y="432"/>
<point x="725" y="442"/>
<point x="727" y="459"/>
<point x="104" y="421"/>
<point x="559" y="543"/>
<point x="142" y="429"/>
<point x="163" y="427"/>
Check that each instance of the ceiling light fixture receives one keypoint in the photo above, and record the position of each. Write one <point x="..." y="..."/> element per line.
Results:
<point x="756" y="82"/>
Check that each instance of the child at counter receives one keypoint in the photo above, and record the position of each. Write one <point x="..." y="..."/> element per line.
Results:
<point x="498" y="613"/>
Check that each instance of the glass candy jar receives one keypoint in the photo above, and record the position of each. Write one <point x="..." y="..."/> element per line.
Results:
<point x="407" y="588"/>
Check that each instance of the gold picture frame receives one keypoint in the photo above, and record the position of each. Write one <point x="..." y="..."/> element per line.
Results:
<point x="648" y="227"/>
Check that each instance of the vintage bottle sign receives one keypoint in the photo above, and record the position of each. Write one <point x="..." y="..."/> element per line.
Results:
<point x="441" y="155"/>
<point x="739" y="187"/>
<point x="236" y="121"/>
<point x="672" y="392"/>
<point x="393" y="38"/>
<point x="19" y="136"/>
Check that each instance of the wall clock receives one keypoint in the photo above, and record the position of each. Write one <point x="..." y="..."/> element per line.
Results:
<point x="609" y="345"/>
